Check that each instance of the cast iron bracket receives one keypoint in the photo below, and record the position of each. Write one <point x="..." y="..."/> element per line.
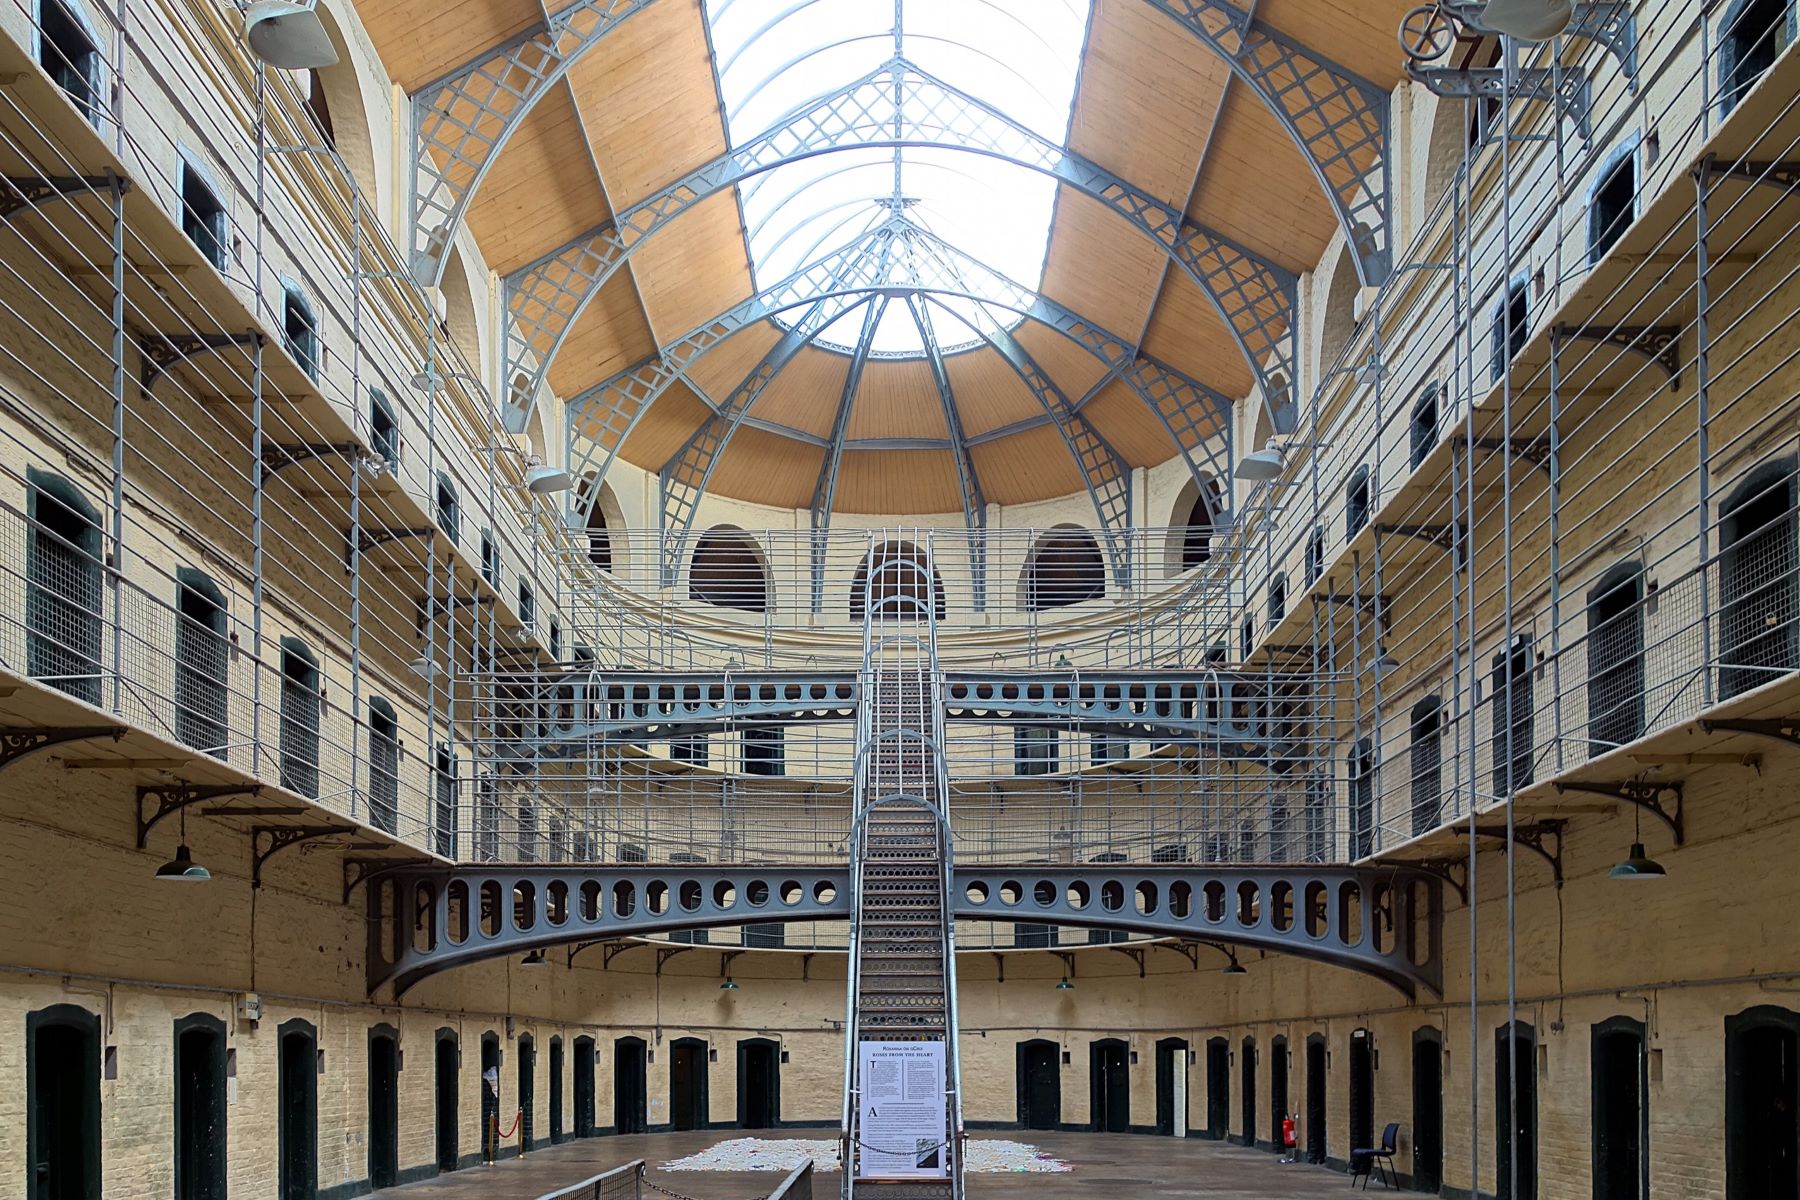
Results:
<point x="163" y="350"/>
<point x="1452" y="871"/>
<point x="276" y="455"/>
<point x="1535" y="451"/>
<point x="1782" y="729"/>
<point x="1534" y="836"/>
<point x="1134" y="953"/>
<point x="171" y="798"/>
<point x="1661" y="343"/>
<point x="29" y="191"/>
<point x="366" y="870"/>
<point x="1662" y="800"/>
<point x="1780" y="174"/>
<point x="17" y="741"/>
<point x="281" y="837"/>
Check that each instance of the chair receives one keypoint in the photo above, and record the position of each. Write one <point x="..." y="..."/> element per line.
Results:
<point x="1368" y="1160"/>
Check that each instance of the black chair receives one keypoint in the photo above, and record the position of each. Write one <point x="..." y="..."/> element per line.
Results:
<point x="1368" y="1160"/>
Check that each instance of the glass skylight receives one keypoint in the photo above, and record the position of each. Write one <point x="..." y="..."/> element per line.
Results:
<point x="779" y="59"/>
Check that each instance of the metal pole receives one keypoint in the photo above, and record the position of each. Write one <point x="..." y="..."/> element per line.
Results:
<point x="356" y="665"/>
<point x="117" y="575"/>
<point x="1702" y="405"/>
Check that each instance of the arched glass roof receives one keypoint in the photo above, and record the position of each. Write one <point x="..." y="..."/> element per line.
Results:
<point x="774" y="58"/>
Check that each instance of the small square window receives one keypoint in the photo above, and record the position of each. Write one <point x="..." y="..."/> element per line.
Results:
<point x="527" y="605"/>
<point x="68" y="54"/>
<point x="1613" y="207"/>
<point x="300" y="330"/>
<point x="384" y="428"/>
<point x="203" y="218"/>
<point x="490" y="560"/>
<point x="448" y="510"/>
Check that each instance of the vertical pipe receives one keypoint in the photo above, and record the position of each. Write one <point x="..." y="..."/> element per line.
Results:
<point x="258" y="532"/>
<point x="1702" y="418"/>
<point x="355" y="460"/>
<point x="1464" y="242"/>
<point x="1509" y="78"/>
<point x="1554" y="464"/>
<point x="117" y="190"/>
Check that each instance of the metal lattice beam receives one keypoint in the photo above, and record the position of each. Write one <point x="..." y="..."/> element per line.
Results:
<point x="896" y="106"/>
<point x="1338" y="119"/>
<point x="462" y="121"/>
<point x="824" y="494"/>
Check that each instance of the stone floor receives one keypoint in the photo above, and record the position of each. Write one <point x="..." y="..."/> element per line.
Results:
<point x="1109" y="1165"/>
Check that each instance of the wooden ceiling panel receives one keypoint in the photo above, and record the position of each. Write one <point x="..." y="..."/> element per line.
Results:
<point x="1100" y="266"/>
<point x="1188" y="334"/>
<point x="609" y="337"/>
<point x="1359" y="35"/>
<point x="661" y="431"/>
<point x="694" y="270"/>
<point x="423" y="40"/>
<point x="1148" y="92"/>
<point x="1257" y="189"/>
<point x="806" y="394"/>
<point x="650" y="101"/>
<point x="724" y="366"/>
<point x="1071" y="367"/>
<point x="900" y="400"/>
<point x="1032" y="465"/>
<point x="988" y="393"/>
<point x="1129" y="426"/>
<point x="543" y="192"/>
<point x="769" y="469"/>
<point x="898" y="481"/>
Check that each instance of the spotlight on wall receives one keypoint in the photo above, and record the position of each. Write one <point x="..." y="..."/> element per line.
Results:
<point x="288" y="34"/>
<point x="1528" y="20"/>
<point x="423" y="666"/>
<point x="1259" y="466"/>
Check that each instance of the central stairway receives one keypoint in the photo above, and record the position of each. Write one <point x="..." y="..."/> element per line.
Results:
<point x="899" y="1140"/>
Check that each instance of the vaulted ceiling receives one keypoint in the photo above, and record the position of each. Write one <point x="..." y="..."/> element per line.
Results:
<point x="1181" y="205"/>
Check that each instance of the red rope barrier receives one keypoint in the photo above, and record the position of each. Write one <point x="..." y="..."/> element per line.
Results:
<point x="506" y="1133"/>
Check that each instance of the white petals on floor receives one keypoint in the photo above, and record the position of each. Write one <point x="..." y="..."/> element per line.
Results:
<point x="984" y="1156"/>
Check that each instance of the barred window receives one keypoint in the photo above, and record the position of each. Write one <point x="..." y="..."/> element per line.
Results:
<point x="63" y="586"/>
<point x="449" y="510"/>
<point x="1612" y="206"/>
<point x="1277" y="599"/>
<point x="1427" y="765"/>
<point x="1512" y="324"/>
<point x="1362" y="800"/>
<point x="384" y="429"/>
<point x="1356" y="502"/>
<point x="1512" y="718"/>
<point x="1424" y="423"/>
<point x="765" y="750"/>
<point x="443" y="802"/>
<point x="1064" y="568"/>
<point x="384" y="765"/>
<point x="203" y="218"/>
<point x="1615" y="658"/>
<point x="1758" y="597"/>
<point x="1034" y="750"/>
<point x="300" y="330"/>
<point x="202" y="658"/>
<point x="1751" y="35"/>
<point x="299" y="718"/>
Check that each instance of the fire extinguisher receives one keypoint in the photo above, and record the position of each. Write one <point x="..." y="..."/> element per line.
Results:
<point x="1290" y="1140"/>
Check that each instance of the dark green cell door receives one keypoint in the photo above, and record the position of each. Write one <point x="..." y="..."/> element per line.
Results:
<point x="62" y="1115"/>
<point x="200" y="1108"/>
<point x="384" y="1108"/>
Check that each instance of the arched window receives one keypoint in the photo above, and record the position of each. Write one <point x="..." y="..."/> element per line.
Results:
<point x="62" y="594"/>
<point x="300" y="329"/>
<point x="728" y="570"/>
<point x="384" y="765"/>
<point x="1199" y="522"/>
<point x="1613" y="203"/>
<point x="892" y="584"/>
<point x="1063" y="568"/>
<point x="1362" y="800"/>
<point x="1512" y="718"/>
<point x="1758" y="597"/>
<point x="202" y="653"/>
<point x="600" y="519"/>
<point x="1751" y="35"/>
<point x="1615" y="658"/>
<point x="1427" y="765"/>
<point x="1337" y="323"/>
<point x="1356" y="502"/>
<point x="1512" y="324"/>
<point x="1424" y="423"/>
<point x="319" y="105"/>
<point x="299" y="718"/>
<point x="335" y="99"/>
<point x="460" y="320"/>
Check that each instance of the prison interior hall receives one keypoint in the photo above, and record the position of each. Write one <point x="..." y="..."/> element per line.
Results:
<point x="899" y="599"/>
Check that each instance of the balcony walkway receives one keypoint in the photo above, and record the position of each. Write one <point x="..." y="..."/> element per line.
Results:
<point x="1105" y="1164"/>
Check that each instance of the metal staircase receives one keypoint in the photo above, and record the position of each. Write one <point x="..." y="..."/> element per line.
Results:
<point x="902" y="1125"/>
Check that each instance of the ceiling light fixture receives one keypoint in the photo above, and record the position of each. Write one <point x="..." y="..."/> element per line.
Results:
<point x="1259" y="466"/>
<point x="1065" y="985"/>
<point x="1528" y="20"/>
<point x="535" y="959"/>
<point x="730" y="985"/>
<point x="288" y="34"/>
<point x="182" y="868"/>
<point x="1637" y="864"/>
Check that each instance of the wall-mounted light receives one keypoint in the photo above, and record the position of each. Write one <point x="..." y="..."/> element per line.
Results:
<point x="289" y="35"/>
<point x="182" y="868"/>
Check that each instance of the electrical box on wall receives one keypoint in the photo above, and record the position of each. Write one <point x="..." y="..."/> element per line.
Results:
<point x="250" y="1006"/>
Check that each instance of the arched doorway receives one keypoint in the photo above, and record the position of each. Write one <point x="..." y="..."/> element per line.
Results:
<point x="1428" y="1110"/>
<point x="297" y="1119"/>
<point x="1317" y="1147"/>
<point x="1515" y="1112"/>
<point x="584" y="1087"/>
<point x="1218" y="1088"/>
<point x="1109" y="1086"/>
<point x="1171" y="1087"/>
<point x="384" y="1106"/>
<point x="631" y="1085"/>
<point x="895" y="582"/>
<point x="759" y="1083"/>
<point x="1247" y="1089"/>
<point x="527" y="1090"/>
<point x="200" y="1108"/>
<point x="556" y="1090"/>
<point x="490" y="1096"/>
<point x="1039" y="1075"/>
<point x="1278" y="1093"/>
<point x="687" y="1084"/>
<point x="1620" y="1082"/>
<point x="1762" y="1104"/>
<point x="1362" y="1089"/>
<point x="447" y="1065"/>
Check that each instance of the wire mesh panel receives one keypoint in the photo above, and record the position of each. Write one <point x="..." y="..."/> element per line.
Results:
<point x="202" y="663"/>
<point x="63" y="619"/>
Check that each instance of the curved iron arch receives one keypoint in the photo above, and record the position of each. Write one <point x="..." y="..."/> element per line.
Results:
<point x="1336" y="119"/>
<point x="1254" y="298"/>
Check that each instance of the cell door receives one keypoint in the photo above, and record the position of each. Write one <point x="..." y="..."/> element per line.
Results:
<point x="527" y="1090"/>
<point x="1171" y="1087"/>
<point x="1762" y="1101"/>
<point x="62" y="1084"/>
<point x="448" y="1060"/>
<point x="1039" y="1085"/>
<point x="759" y="1084"/>
<point x="1109" y="1087"/>
<point x="1316" y="1144"/>
<point x="556" y="1091"/>
<point x="687" y="1084"/>
<point x="1621" y="1159"/>
<point x="584" y="1087"/>
<point x="631" y="1088"/>
<point x="1362" y="1090"/>
<point x="1515" y="1115"/>
<point x="298" y="1119"/>
<point x="384" y="1108"/>
<point x="490" y="1096"/>
<point x="1247" y="1066"/>
<point x="1428" y="1110"/>
<point x="200" y="1108"/>
<point x="1218" y="1088"/>
<point x="1278" y="1092"/>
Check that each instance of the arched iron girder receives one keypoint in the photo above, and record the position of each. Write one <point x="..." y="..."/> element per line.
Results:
<point x="1189" y="411"/>
<point x="974" y="501"/>
<point x="824" y="494"/>
<point x="1254" y="297"/>
<point x="1338" y="120"/>
<point x="1294" y="909"/>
